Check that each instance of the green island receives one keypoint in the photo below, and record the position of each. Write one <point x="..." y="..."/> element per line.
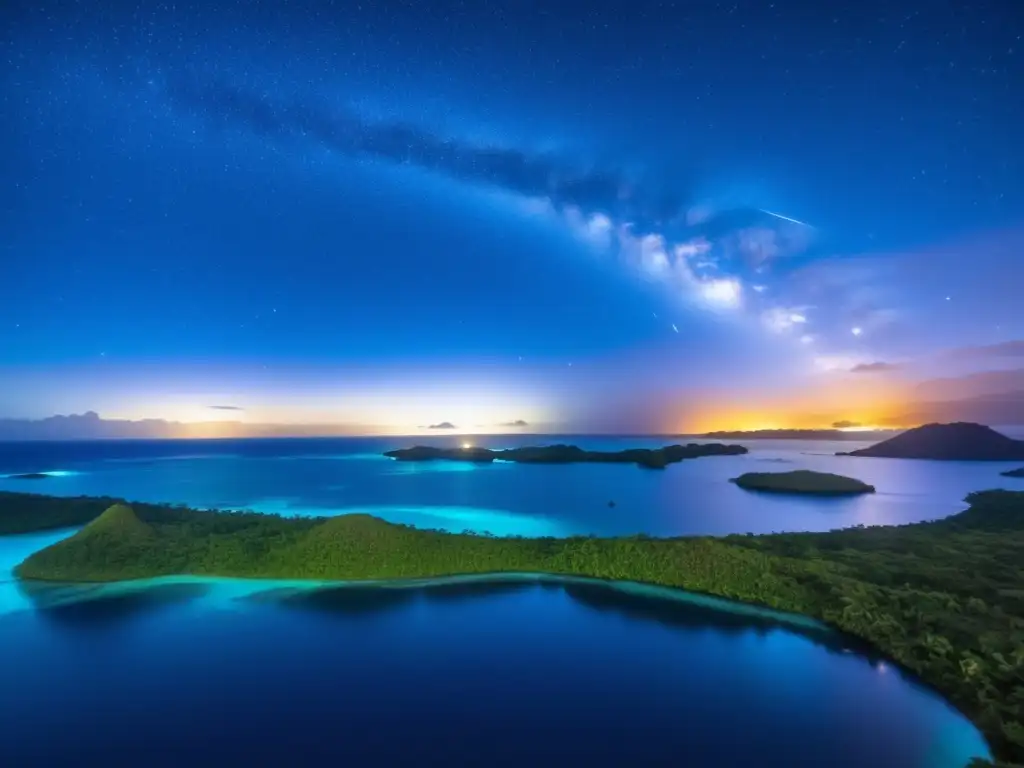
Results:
<point x="802" y="481"/>
<point x="944" y="599"/>
<point x="1013" y="472"/>
<point x="649" y="458"/>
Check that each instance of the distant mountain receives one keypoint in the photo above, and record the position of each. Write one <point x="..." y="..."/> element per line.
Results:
<point x="797" y="434"/>
<point x="960" y="441"/>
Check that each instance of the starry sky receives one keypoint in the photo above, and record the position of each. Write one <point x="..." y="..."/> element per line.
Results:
<point x="617" y="216"/>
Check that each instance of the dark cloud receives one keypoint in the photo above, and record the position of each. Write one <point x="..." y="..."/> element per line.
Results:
<point x="989" y="351"/>
<point x="971" y="386"/>
<point x="1001" y="409"/>
<point x="225" y="407"/>
<point x="516" y="423"/>
<point x="845" y="424"/>
<point x="443" y="425"/>
<point x="528" y="173"/>
<point x="878" y="367"/>
<point x="92" y="426"/>
<point x="88" y="426"/>
<point x="995" y="398"/>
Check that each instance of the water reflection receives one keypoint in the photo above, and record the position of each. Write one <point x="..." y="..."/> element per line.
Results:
<point x="511" y="671"/>
<point x="306" y="476"/>
<point x="348" y="601"/>
<point x="670" y="608"/>
<point x="90" y="605"/>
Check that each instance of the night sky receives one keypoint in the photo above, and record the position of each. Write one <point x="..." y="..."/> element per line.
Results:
<point x="618" y="216"/>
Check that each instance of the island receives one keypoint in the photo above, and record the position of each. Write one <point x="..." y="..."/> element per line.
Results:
<point x="1013" y="473"/>
<point x="944" y="599"/>
<point x="649" y="458"/>
<point x="799" y="434"/>
<point x="804" y="482"/>
<point x="961" y="441"/>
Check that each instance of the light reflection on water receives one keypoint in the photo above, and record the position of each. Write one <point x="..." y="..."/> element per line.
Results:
<point x="350" y="475"/>
<point x="535" y="666"/>
<point x="773" y="671"/>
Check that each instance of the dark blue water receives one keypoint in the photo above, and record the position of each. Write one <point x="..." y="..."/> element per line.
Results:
<point x="335" y="476"/>
<point x="221" y="673"/>
<point x="215" y="672"/>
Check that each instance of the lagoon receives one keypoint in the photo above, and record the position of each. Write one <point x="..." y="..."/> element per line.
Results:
<point x="524" y="672"/>
<point x="339" y="475"/>
<point x="514" y="672"/>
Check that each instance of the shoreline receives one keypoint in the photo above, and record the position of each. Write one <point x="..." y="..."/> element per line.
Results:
<point x="883" y="586"/>
<point x="667" y="593"/>
<point x="803" y="624"/>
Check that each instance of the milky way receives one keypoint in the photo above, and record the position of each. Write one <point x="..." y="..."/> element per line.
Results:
<point x="416" y="213"/>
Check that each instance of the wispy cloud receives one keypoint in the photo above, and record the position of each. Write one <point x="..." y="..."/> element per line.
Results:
<point x="877" y="367"/>
<point x="733" y="260"/>
<point x="443" y="425"/>
<point x="225" y="408"/>
<point x="517" y="423"/>
<point x="532" y="174"/>
<point x="655" y="224"/>
<point x="782" y="319"/>
<point x="1004" y="349"/>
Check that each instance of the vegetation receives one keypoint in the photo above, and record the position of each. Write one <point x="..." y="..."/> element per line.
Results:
<point x="962" y="441"/>
<point x="651" y="458"/>
<point x="24" y="513"/>
<point x="1013" y="473"/>
<point x="803" y="481"/>
<point x="945" y="599"/>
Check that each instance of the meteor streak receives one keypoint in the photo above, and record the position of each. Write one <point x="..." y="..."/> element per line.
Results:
<point x="785" y="218"/>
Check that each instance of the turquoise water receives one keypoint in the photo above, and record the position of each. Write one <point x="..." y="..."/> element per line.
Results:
<point x="336" y="476"/>
<point x="520" y="671"/>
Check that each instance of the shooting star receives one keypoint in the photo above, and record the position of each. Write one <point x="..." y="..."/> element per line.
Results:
<point x="785" y="218"/>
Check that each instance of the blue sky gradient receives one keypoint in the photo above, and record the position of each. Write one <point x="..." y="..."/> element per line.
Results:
<point x="637" y="216"/>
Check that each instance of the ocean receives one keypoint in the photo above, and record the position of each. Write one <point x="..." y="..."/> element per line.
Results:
<point x="513" y="671"/>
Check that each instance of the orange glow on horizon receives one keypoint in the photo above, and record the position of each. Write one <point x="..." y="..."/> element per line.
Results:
<point x="850" y="403"/>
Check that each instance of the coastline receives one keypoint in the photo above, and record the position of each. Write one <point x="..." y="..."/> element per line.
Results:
<point x="835" y="579"/>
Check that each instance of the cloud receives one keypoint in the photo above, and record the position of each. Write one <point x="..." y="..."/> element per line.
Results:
<point x="1000" y="409"/>
<point x="975" y="385"/>
<point x="225" y="408"/>
<point x="532" y="174"/>
<point x="736" y="260"/>
<point x="989" y="351"/>
<point x="443" y="425"/>
<point x="782" y="319"/>
<point x="91" y="426"/>
<point x="834" y="363"/>
<point x="654" y="223"/>
<point x="516" y="423"/>
<point x="595" y="228"/>
<point x="845" y="424"/>
<point x="878" y="367"/>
